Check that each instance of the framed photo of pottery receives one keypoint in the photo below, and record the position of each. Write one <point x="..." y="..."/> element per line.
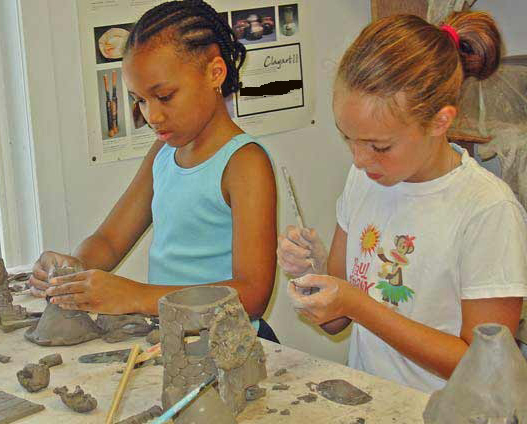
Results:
<point x="288" y="18"/>
<point x="383" y="8"/>
<point x="254" y="26"/>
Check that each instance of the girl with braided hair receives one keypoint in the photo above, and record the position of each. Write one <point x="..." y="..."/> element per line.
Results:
<point x="206" y="186"/>
<point x="428" y="244"/>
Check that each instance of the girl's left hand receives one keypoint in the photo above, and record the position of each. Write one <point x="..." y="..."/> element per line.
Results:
<point x="93" y="291"/>
<point x="329" y="303"/>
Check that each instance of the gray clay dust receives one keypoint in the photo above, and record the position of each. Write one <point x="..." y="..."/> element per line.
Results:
<point x="342" y="392"/>
<point x="33" y="377"/>
<point x="60" y="327"/>
<point x="78" y="400"/>
<point x="143" y="417"/>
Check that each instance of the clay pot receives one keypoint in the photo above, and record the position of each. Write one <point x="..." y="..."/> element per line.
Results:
<point x="489" y="385"/>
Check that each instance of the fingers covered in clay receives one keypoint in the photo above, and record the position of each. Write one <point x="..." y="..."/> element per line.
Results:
<point x="293" y="252"/>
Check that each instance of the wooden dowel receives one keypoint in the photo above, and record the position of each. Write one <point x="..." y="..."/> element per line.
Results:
<point x="122" y="384"/>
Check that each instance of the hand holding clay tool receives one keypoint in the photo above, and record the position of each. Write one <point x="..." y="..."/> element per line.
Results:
<point x="122" y="384"/>
<point x="299" y="219"/>
<point x="173" y="410"/>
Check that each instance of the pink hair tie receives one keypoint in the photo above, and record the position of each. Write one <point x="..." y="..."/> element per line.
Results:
<point x="452" y="33"/>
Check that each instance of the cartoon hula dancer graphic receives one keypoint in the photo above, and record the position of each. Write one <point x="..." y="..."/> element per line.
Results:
<point x="393" y="289"/>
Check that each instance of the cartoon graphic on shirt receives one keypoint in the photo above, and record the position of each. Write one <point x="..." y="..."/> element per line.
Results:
<point x="393" y="289"/>
<point x="369" y="240"/>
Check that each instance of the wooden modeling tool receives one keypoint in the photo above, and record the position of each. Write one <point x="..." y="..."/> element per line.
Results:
<point x="122" y="384"/>
<point x="173" y="410"/>
<point x="299" y="221"/>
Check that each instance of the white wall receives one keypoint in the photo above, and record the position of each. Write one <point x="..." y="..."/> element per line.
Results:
<point x="316" y="158"/>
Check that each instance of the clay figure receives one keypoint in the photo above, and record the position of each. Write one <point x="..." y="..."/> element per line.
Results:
<point x="60" y="327"/>
<point x="205" y="331"/>
<point x="51" y="360"/>
<point x="117" y="328"/>
<point x="33" y="377"/>
<point x="143" y="417"/>
<point x="11" y="316"/>
<point x="488" y="385"/>
<point x="78" y="400"/>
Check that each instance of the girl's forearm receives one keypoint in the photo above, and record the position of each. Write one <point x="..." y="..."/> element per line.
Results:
<point x="95" y="252"/>
<point x="434" y="350"/>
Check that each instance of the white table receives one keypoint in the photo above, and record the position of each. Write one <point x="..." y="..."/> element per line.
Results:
<point x="391" y="403"/>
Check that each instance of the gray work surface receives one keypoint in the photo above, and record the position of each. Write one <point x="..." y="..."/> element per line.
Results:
<point x="391" y="402"/>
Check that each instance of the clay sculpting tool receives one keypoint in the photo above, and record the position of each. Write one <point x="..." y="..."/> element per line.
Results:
<point x="104" y="357"/>
<point x="173" y="410"/>
<point x="122" y="384"/>
<point x="299" y="220"/>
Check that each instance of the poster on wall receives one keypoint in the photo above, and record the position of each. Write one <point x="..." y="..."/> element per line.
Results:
<point x="277" y="85"/>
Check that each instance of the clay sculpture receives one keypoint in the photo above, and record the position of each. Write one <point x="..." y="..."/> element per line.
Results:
<point x="489" y="385"/>
<point x="205" y="331"/>
<point x="60" y="327"/>
<point x="33" y="377"/>
<point x="78" y="400"/>
<point x="11" y="316"/>
<point x="117" y="328"/>
<point x="143" y="417"/>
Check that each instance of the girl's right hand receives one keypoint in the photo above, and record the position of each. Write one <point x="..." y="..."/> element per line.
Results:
<point x="38" y="281"/>
<point x="301" y="251"/>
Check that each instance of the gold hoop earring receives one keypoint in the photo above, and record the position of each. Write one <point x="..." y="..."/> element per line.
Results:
<point x="218" y="90"/>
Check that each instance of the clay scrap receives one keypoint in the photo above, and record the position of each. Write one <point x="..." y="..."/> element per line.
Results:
<point x="60" y="327"/>
<point x="153" y="337"/>
<point x="51" y="360"/>
<point x="4" y="359"/>
<point x="117" y="328"/>
<point x="12" y="316"/>
<point x="489" y="385"/>
<point x="33" y="377"/>
<point x="205" y="331"/>
<point x="342" y="392"/>
<point x="143" y="417"/>
<point x="78" y="400"/>
<point x="13" y="408"/>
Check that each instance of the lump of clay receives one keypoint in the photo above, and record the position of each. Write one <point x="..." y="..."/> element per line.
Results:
<point x="4" y="359"/>
<point x="153" y="337"/>
<point x="117" y="328"/>
<point x="489" y="385"/>
<point x="143" y="417"/>
<point x="33" y="377"/>
<point x="60" y="327"/>
<point x="51" y="360"/>
<point x="342" y="392"/>
<point x="78" y="400"/>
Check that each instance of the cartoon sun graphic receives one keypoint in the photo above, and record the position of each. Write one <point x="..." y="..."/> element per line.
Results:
<point x="369" y="240"/>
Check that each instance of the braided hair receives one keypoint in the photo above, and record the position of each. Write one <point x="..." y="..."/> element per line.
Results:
<point x="194" y="26"/>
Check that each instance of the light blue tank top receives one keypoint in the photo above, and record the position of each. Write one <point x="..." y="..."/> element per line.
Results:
<point x="192" y="224"/>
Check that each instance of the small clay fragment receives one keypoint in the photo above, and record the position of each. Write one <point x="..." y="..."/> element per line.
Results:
<point x="311" y="397"/>
<point x="280" y="387"/>
<point x="143" y="417"/>
<point x="359" y="421"/>
<point x="271" y="410"/>
<point x="342" y="392"/>
<point x="78" y="400"/>
<point x="51" y="360"/>
<point x="33" y="377"/>
<point x="295" y="402"/>
<point x="254" y="392"/>
<point x="285" y="412"/>
<point x="117" y="328"/>
<point x="153" y="337"/>
<point x="4" y="359"/>
<point x="278" y="350"/>
<point x="280" y="372"/>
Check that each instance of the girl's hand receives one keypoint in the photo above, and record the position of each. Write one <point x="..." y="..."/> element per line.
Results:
<point x="301" y="251"/>
<point x="93" y="291"/>
<point x="333" y="300"/>
<point x="38" y="281"/>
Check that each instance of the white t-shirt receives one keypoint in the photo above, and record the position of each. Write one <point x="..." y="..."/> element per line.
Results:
<point x="424" y="247"/>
